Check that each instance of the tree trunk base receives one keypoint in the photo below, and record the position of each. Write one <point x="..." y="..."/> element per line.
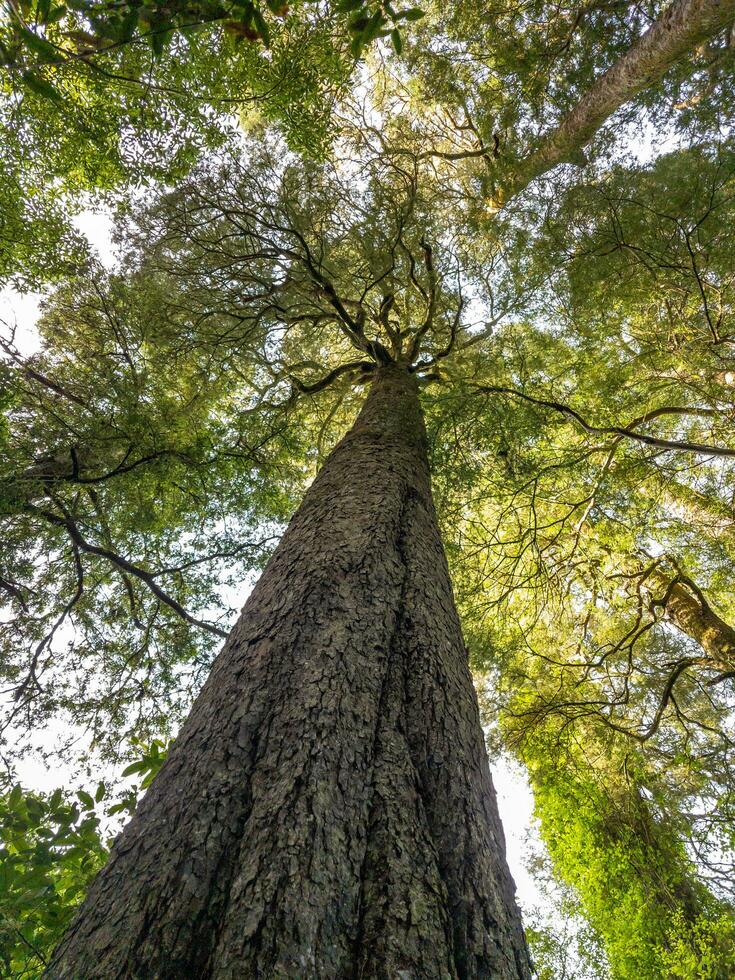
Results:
<point x="327" y="810"/>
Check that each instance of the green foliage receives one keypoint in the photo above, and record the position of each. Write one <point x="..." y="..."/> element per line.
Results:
<point x="84" y="107"/>
<point x="602" y="849"/>
<point x="367" y="22"/>
<point x="101" y="114"/>
<point x="624" y="721"/>
<point x="575" y="353"/>
<point x="561" y="941"/>
<point x="635" y="881"/>
<point x="702" y="951"/>
<point x="120" y="435"/>
<point x="153" y="757"/>
<point x="51" y="847"/>
<point x="99" y="25"/>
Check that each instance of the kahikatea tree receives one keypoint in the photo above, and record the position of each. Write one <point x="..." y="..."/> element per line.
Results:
<point x="327" y="808"/>
<point x="196" y="246"/>
<point x="493" y="125"/>
<point x="371" y="841"/>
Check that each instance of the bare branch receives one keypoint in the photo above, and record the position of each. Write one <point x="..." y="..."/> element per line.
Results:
<point x="135" y="570"/>
<point x="620" y="430"/>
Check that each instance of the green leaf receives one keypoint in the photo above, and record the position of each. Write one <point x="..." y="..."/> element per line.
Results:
<point x="86" y="799"/>
<point x="140" y="766"/>
<point x="35" y="809"/>
<point x="56" y="14"/>
<point x="40" y="86"/>
<point x="395" y="36"/>
<point x="100" y="793"/>
<point x="40" y="46"/>
<point x="358" y="22"/>
<point x="119" y="808"/>
<point x="126" y="27"/>
<point x="159" y="39"/>
<point x="413" y="13"/>
<point x="373" y="26"/>
<point x="262" y="27"/>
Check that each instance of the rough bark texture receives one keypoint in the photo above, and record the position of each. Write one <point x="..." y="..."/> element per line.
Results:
<point x="327" y="810"/>
<point x="680" y="28"/>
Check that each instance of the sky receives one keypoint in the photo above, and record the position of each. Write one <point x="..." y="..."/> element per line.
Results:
<point x="515" y="799"/>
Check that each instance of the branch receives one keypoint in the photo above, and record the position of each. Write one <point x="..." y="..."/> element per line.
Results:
<point x="683" y="26"/>
<point x="42" y="379"/>
<point x="120" y="562"/>
<point x="431" y="305"/>
<point x="620" y="430"/>
<point x="32" y="676"/>
<point x="311" y="389"/>
<point x="666" y="696"/>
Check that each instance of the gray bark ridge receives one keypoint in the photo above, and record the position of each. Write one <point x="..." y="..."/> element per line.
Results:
<point x="327" y="810"/>
<point x="681" y="27"/>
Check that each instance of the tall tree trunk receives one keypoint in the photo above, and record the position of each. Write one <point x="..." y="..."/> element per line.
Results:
<point x="327" y="810"/>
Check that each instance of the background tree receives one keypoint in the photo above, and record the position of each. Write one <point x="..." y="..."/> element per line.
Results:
<point x="595" y="553"/>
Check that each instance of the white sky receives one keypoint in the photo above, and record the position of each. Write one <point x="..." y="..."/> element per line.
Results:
<point x="23" y="309"/>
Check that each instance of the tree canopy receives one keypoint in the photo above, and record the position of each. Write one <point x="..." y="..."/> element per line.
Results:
<point x="532" y="207"/>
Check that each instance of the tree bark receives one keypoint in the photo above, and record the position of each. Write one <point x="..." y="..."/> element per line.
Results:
<point x="327" y="810"/>
<point x="680" y="29"/>
<point x="687" y="608"/>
